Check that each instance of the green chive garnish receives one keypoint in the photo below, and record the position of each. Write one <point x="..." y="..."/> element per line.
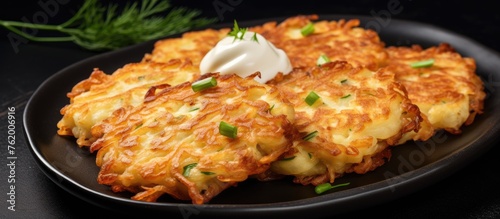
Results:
<point x="310" y="135"/>
<point x="271" y="108"/>
<point x="343" y="81"/>
<point x="236" y="29"/>
<point x="194" y="109"/>
<point x="323" y="59"/>
<point x="423" y="64"/>
<point x="187" y="169"/>
<point x="307" y="30"/>
<point x="254" y="37"/>
<point x="288" y="158"/>
<point x="228" y="130"/>
<point x="346" y="96"/>
<point x="207" y="173"/>
<point x="239" y="33"/>
<point x="138" y="126"/>
<point x="204" y="84"/>
<point x="242" y="33"/>
<point x="327" y="186"/>
<point x="311" y="98"/>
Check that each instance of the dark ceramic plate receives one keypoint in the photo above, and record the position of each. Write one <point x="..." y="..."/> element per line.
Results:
<point x="412" y="167"/>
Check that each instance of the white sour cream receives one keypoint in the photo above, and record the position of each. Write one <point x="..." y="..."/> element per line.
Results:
<point x="245" y="57"/>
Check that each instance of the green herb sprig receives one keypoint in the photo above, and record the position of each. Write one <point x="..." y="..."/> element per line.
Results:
<point x="99" y="28"/>
<point x="238" y="33"/>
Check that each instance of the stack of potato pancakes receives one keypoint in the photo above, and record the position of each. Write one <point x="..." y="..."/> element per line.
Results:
<point x="154" y="135"/>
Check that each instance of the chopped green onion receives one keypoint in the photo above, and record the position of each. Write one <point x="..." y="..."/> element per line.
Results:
<point x="323" y="59"/>
<point x="310" y="135"/>
<point x="228" y="130"/>
<point x="138" y="126"/>
<point x="194" y="109"/>
<point x="307" y="30"/>
<point x="271" y="108"/>
<point x="346" y="96"/>
<point x="204" y="84"/>
<point x="207" y="173"/>
<point x="311" y="98"/>
<point x="343" y="81"/>
<point x="327" y="186"/>
<point x="288" y="158"/>
<point x="187" y="169"/>
<point x="423" y="64"/>
<point x="254" y="37"/>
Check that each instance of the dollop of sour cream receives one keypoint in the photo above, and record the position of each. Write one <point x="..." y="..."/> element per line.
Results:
<point x="246" y="55"/>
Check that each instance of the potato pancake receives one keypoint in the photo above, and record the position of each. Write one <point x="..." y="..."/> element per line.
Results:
<point x="357" y="116"/>
<point x="339" y="40"/>
<point x="94" y="99"/>
<point x="191" y="45"/>
<point x="448" y="92"/>
<point x="171" y="143"/>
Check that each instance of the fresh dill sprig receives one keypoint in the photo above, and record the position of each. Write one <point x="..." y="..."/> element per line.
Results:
<point x="97" y="27"/>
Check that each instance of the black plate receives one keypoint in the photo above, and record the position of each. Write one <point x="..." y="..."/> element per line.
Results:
<point x="412" y="167"/>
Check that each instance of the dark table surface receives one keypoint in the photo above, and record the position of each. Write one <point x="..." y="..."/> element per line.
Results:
<point x="471" y="192"/>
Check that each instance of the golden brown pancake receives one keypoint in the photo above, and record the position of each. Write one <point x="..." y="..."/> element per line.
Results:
<point x="359" y="115"/>
<point x="191" y="45"/>
<point x="449" y="92"/>
<point x="341" y="40"/>
<point x="171" y="144"/>
<point x="94" y="99"/>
